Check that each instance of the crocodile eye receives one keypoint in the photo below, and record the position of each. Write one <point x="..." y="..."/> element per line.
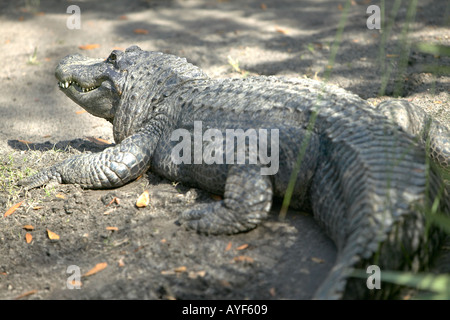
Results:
<point x="112" y="57"/>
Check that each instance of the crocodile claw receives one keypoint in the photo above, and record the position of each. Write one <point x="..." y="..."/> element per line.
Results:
<point x="215" y="218"/>
<point x="41" y="178"/>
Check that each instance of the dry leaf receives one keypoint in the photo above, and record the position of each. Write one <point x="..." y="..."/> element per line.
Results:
<point x="244" y="259"/>
<point x="123" y="17"/>
<point x="28" y="237"/>
<point x="80" y="111"/>
<point x="244" y="246"/>
<point x="281" y="30"/>
<point x="196" y="274"/>
<point x="174" y="271"/>
<point x="121" y="263"/>
<point x="272" y="291"/>
<point x="163" y="241"/>
<point x="115" y="199"/>
<point x="201" y="273"/>
<point x="60" y="196"/>
<point x="26" y="294"/>
<point x="317" y="260"/>
<point x="143" y="199"/>
<point x="112" y="228"/>
<point x="28" y="227"/>
<point x="167" y="272"/>
<point x="316" y="77"/>
<point x="52" y="235"/>
<point x="109" y="211"/>
<point x="99" y="141"/>
<point x="263" y="6"/>
<point x="225" y="283"/>
<point x="216" y="197"/>
<point x="98" y="267"/>
<point x="89" y="46"/>
<point x="180" y="269"/>
<point x="12" y="209"/>
<point x="25" y="141"/>
<point x="228" y="246"/>
<point x="140" y="31"/>
<point x="340" y="7"/>
<point x="76" y="283"/>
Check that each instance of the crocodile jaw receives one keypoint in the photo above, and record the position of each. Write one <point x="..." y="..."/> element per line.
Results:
<point x="91" y="83"/>
<point x="76" y="85"/>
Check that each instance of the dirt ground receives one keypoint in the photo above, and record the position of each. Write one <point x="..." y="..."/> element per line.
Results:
<point x="147" y="255"/>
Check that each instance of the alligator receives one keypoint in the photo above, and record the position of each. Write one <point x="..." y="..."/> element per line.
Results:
<point x="362" y="171"/>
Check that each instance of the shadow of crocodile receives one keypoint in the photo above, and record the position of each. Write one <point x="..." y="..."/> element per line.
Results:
<point x="82" y="145"/>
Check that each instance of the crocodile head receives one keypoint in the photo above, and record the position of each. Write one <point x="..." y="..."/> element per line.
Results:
<point x="99" y="86"/>
<point x="96" y="84"/>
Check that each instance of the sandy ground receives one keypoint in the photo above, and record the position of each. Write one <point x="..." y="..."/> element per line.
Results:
<point x="149" y="256"/>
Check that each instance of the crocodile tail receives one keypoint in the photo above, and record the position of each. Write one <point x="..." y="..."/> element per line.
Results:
<point x="434" y="135"/>
<point x="334" y="286"/>
<point x="407" y="243"/>
<point x="366" y="194"/>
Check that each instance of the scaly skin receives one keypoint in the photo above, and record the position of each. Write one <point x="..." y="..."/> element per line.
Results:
<point x="362" y="176"/>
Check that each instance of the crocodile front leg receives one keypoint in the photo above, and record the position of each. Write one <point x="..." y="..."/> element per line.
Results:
<point x="247" y="201"/>
<point x="111" y="168"/>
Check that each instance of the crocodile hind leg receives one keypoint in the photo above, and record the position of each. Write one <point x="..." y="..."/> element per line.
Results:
<point x="247" y="201"/>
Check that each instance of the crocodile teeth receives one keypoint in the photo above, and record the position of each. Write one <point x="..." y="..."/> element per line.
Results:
<point x="64" y="84"/>
<point x="87" y="89"/>
<point x="68" y="83"/>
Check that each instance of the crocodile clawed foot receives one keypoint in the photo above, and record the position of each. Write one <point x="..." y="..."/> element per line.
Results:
<point x="215" y="218"/>
<point x="47" y="176"/>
